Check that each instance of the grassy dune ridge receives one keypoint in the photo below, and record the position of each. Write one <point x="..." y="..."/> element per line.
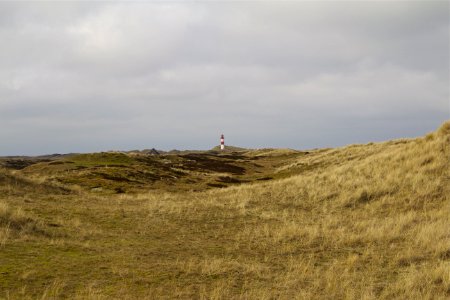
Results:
<point x="363" y="221"/>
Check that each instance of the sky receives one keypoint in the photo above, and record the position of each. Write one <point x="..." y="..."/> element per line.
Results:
<point x="98" y="76"/>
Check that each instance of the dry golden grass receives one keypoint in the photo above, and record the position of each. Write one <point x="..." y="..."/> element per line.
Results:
<point x="359" y="222"/>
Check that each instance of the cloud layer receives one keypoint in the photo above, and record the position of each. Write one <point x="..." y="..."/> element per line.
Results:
<point x="91" y="77"/>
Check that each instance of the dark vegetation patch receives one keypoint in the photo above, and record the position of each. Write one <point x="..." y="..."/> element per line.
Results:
<point x="445" y="255"/>
<point x="119" y="190"/>
<point x="427" y="161"/>
<point x="210" y="163"/>
<point x="414" y="260"/>
<point x="264" y="178"/>
<point x="17" y="164"/>
<point x="216" y="185"/>
<point x="155" y="163"/>
<point x="234" y="156"/>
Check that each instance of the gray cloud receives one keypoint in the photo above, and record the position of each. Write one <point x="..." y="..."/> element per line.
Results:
<point x="90" y="77"/>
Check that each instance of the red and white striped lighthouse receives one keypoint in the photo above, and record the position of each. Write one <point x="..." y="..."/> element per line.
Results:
<point x="222" y="142"/>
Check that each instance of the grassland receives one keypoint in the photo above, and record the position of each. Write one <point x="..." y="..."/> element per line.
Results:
<point x="358" y="222"/>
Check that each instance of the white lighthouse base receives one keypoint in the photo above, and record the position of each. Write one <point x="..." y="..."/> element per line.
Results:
<point x="222" y="147"/>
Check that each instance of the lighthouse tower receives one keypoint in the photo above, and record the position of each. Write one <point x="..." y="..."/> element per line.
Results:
<point x="222" y="142"/>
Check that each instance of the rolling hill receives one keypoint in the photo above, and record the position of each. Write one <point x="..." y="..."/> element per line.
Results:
<point x="362" y="221"/>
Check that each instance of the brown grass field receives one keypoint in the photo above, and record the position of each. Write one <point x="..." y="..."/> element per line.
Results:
<point x="358" y="222"/>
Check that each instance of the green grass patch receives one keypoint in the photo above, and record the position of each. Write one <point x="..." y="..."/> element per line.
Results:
<point x="102" y="159"/>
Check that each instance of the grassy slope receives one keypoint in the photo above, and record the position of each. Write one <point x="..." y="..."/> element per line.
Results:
<point x="363" y="221"/>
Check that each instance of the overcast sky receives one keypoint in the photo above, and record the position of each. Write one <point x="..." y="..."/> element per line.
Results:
<point x="83" y="77"/>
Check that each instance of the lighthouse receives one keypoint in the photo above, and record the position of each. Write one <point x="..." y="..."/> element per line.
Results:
<point x="222" y="142"/>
